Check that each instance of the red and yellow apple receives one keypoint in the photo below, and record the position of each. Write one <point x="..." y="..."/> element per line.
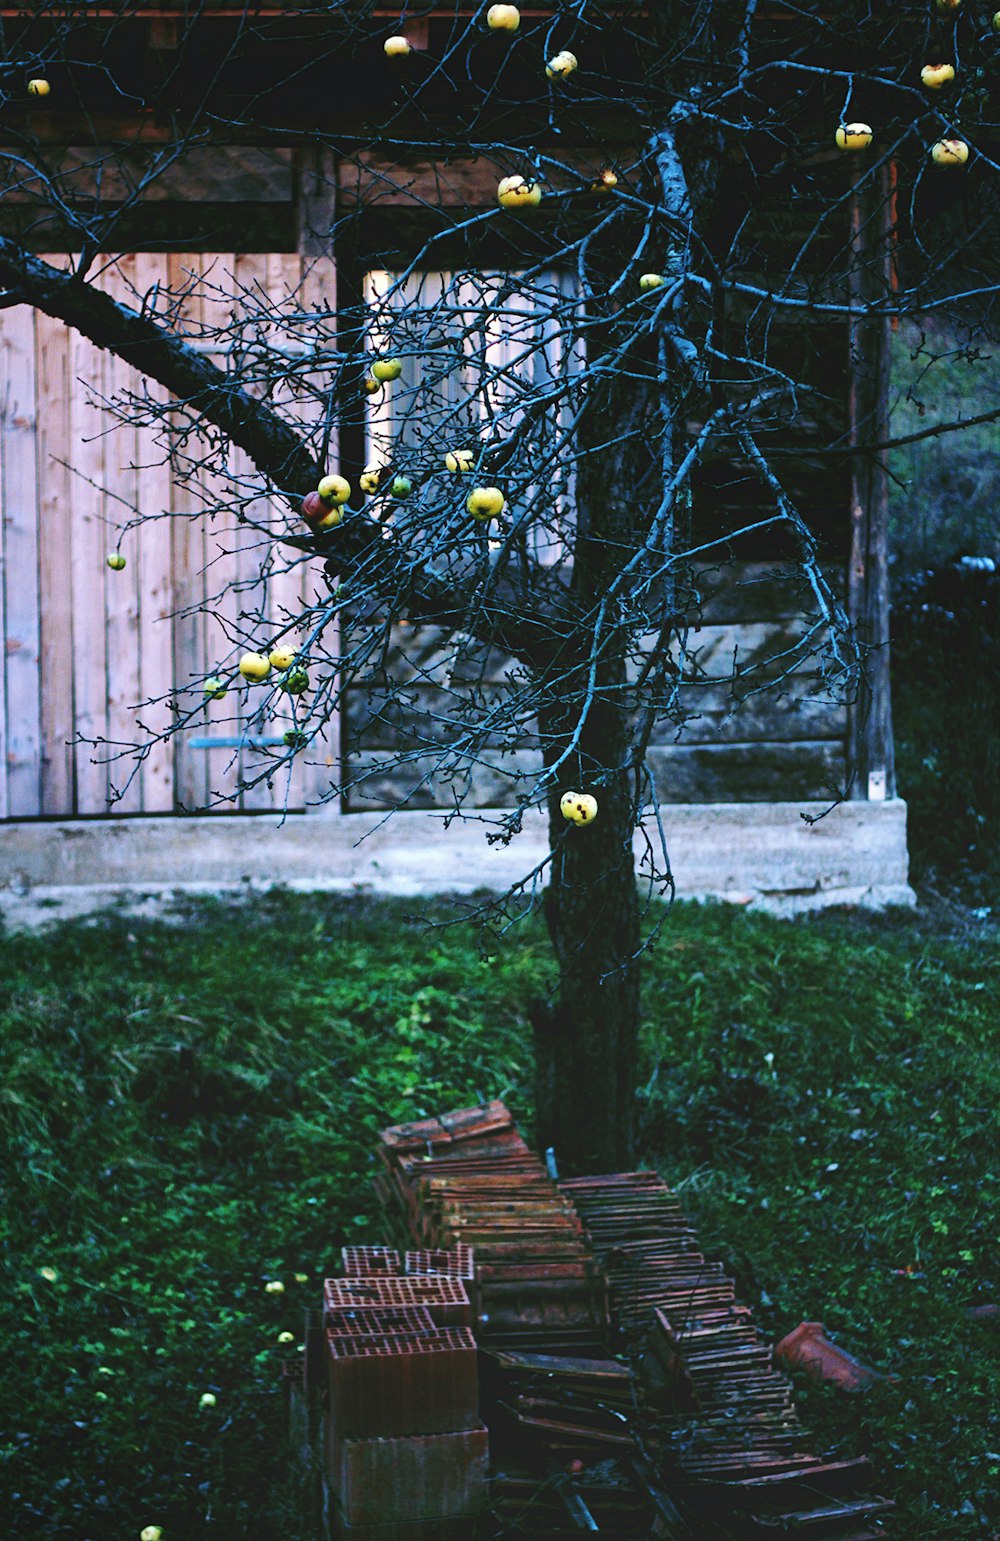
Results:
<point x="934" y="76"/>
<point x="604" y="181"/>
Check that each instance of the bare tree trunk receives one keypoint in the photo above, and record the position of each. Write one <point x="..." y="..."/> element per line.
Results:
<point x="586" y="1043"/>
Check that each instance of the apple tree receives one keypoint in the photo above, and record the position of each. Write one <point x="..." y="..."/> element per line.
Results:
<point x="582" y="254"/>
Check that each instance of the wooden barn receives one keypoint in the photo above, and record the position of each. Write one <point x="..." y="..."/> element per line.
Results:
<point x="91" y="655"/>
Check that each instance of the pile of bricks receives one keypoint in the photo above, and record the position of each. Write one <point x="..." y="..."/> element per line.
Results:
<point x="406" y="1455"/>
<point x="468" y="1179"/>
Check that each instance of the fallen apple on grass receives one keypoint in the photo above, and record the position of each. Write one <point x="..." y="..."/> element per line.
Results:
<point x="485" y="503"/>
<point x="206" y="1401"/>
<point x="517" y="192"/>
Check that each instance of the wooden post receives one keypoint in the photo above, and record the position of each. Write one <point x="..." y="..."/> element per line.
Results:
<point x="870" y="743"/>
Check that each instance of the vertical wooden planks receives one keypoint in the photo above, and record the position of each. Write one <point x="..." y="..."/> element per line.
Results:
<point x="152" y="543"/>
<point x="188" y="565"/>
<point x="86" y="519"/>
<point x="22" y="755"/>
<point x="55" y="503"/>
<point x="122" y="589"/>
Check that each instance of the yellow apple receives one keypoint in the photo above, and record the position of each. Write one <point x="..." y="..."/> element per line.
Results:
<point x="459" y="460"/>
<point x="485" y="502"/>
<point x="206" y="1400"/>
<point x="215" y="688"/>
<point x="518" y="193"/>
<point x="578" y="807"/>
<point x="294" y="682"/>
<point x="335" y="516"/>
<point x="854" y="136"/>
<point x="996" y="21"/>
<point x="950" y="152"/>
<point x="151" y="1533"/>
<point x="48" y="1274"/>
<point x="650" y="281"/>
<point x="116" y="561"/>
<point x="387" y="369"/>
<point x="38" y="88"/>
<point x="561" y="65"/>
<point x="255" y="667"/>
<point x="274" y="1287"/>
<point x="334" y="489"/>
<point x="286" y="1337"/>
<point x="503" y="18"/>
<point x="370" y="478"/>
<point x="281" y="657"/>
<point x="934" y="76"/>
<point x="396" y="47"/>
<point x="370" y="385"/>
<point x="604" y="181"/>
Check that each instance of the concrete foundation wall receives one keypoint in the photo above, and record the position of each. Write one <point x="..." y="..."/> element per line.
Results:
<point x="760" y="854"/>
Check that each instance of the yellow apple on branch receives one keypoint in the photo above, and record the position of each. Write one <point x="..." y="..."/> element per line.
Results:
<point x="650" y="281"/>
<point x="561" y="65"/>
<point x="294" y="682"/>
<point x="334" y="489"/>
<point x="396" y="47"/>
<point x="369" y="479"/>
<point x="460" y="460"/>
<point x="38" y="88"/>
<point x="370" y="385"/>
<point x="950" y="152"/>
<point x="854" y="136"/>
<point x="934" y="76"/>
<point x="116" y="561"/>
<point x="503" y="18"/>
<point x="518" y="193"/>
<point x="281" y="657"/>
<point x="215" y="688"/>
<point x="385" y="369"/>
<point x="578" y="808"/>
<point x="255" y="667"/>
<point x="485" y="502"/>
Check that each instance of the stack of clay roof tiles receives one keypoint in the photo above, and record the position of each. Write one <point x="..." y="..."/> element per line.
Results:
<point x="729" y="1441"/>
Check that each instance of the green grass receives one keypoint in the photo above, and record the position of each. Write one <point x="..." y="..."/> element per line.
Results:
<point x="189" y="1111"/>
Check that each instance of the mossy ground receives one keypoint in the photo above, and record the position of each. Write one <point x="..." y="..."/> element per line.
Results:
<point x="189" y="1111"/>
